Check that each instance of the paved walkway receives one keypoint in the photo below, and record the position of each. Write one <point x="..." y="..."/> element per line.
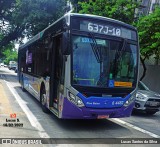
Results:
<point x="5" y="107"/>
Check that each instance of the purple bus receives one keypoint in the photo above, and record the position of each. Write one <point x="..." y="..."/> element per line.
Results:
<point x="82" y="67"/>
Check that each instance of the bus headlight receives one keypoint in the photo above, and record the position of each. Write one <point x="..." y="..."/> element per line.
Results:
<point x="76" y="100"/>
<point x="130" y="100"/>
<point x="79" y="102"/>
<point x="72" y="96"/>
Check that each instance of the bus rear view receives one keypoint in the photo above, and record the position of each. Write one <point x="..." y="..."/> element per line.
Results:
<point x="94" y="71"/>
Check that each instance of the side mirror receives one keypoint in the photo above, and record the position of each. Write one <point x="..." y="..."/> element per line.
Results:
<point x="65" y="44"/>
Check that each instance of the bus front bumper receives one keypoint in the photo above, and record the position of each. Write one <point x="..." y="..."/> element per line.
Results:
<point x="71" y="111"/>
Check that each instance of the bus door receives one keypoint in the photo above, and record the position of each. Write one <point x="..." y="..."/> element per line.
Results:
<point x="56" y="72"/>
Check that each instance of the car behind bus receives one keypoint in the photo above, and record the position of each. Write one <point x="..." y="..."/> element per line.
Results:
<point x="12" y="65"/>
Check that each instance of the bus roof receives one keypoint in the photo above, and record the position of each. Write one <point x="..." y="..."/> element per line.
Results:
<point x="40" y="34"/>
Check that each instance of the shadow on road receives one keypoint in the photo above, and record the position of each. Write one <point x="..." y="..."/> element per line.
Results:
<point x="143" y="114"/>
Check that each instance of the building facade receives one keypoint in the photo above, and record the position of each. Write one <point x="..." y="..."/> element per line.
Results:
<point x="148" y="6"/>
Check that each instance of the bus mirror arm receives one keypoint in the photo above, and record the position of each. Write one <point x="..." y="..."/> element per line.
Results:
<point x="65" y="44"/>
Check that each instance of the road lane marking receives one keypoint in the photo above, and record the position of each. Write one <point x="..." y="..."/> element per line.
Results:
<point x="33" y="120"/>
<point x="135" y="127"/>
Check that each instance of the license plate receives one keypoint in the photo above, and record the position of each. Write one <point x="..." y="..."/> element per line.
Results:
<point x="153" y="103"/>
<point x="103" y="116"/>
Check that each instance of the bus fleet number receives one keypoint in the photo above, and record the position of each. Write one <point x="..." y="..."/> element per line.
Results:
<point x="104" y="29"/>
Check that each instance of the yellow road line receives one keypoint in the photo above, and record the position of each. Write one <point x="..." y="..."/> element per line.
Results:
<point x="5" y="107"/>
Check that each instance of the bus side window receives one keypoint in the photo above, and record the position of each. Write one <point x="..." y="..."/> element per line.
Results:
<point x="43" y="57"/>
<point x="57" y="60"/>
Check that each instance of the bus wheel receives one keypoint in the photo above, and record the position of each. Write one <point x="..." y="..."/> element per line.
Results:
<point x="44" y="101"/>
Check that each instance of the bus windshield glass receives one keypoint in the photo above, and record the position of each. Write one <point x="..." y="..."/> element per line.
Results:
<point x="103" y="63"/>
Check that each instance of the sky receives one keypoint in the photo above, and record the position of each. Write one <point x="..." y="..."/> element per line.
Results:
<point x="24" y="41"/>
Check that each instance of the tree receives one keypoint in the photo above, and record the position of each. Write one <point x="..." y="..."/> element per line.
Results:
<point x="7" y="7"/>
<point x="9" y="54"/>
<point x="38" y="15"/>
<point x="27" y="17"/>
<point x="76" y="6"/>
<point x="123" y="10"/>
<point x="149" y="36"/>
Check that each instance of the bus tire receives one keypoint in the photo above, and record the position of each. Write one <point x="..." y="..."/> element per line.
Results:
<point x="43" y="100"/>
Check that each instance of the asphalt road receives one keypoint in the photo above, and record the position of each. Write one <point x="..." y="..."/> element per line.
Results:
<point x="37" y="124"/>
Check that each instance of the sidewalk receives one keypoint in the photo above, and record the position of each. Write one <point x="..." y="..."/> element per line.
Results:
<point x="8" y="114"/>
<point x="13" y="121"/>
<point x="20" y="127"/>
<point x="5" y="106"/>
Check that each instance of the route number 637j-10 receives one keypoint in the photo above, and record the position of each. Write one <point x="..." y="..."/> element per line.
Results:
<point x="103" y="29"/>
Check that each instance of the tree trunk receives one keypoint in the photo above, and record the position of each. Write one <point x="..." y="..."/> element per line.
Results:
<point x="144" y="68"/>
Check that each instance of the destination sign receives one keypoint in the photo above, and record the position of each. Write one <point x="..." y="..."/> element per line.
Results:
<point x="107" y="29"/>
<point x="100" y="28"/>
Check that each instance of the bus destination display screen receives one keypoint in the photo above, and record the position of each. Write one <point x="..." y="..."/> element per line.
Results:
<point x="105" y="28"/>
<point x="100" y="28"/>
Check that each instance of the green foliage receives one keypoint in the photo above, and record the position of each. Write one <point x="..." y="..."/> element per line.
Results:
<point x="149" y="34"/>
<point x="10" y="54"/>
<point x="76" y="6"/>
<point x="19" y="18"/>
<point x="37" y="15"/>
<point x="123" y="10"/>
<point x="6" y="9"/>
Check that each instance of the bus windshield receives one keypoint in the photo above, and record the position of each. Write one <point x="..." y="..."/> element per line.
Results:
<point x="97" y="61"/>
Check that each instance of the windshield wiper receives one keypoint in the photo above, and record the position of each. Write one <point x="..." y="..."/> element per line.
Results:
<point x="118" y="56"/>
<point x="120" y="52"/>
<point x="96" y="49"/>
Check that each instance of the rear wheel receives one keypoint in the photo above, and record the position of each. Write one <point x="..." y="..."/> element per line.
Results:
<point x="44" y="101"/>
<point x="151" y="112"/>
